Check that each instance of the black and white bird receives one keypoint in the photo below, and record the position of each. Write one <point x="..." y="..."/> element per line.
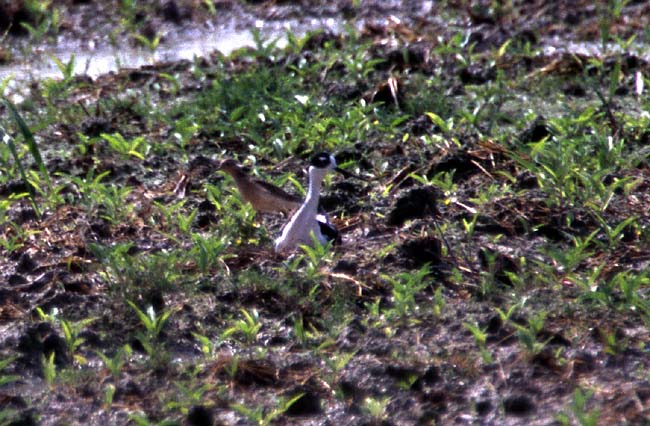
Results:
<point x="307" y="224"/>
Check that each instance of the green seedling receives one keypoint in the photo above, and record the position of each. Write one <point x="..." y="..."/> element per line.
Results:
<point x="208" y="347"/>
<point x="444" y="126"/>
<point x="208" y="252"/>
<point x="116" y="257"/>
<point x="153" y="325"/>
<point x="111" y="201"/>
<point x="9" y="416"/>
<point x="170" y="212"/>
<point x="51" y="195"/>
<point x="28" y="137"/>
<point x="128" y="10"/>
<point x="49" y="369"/>
<point x="480" y="338"/>
<point x="89" y="186"/>
<point x="129" y="274"/>
<point x="376" y="408"/>
<point x="303" y="335"/>
<point x="15" y="235"/>
<point x="405" y="286"/>
<point x="66" y="69"/>
<point x="137" y="147"/>
<point x="175" y="84"/>
<point x="374" y="310"/>
<point x="151" y="44"/>
<point x="612" y="344"/>
<point x="299" y="330"/>
<point x="594" y="289"/>
<point x="315" y="256"/>
<point x="237" y="223"/>
<point x="5" y="81"/>
<point x="442" y="180"/>
<point x="185" y="129"/>
<point x="579" y="412"/>
<point x="175" y="217"/>
<point x="615" y="234"/>
<point x="71" y="332"/>
<point x="357" y="65"/>
<point x="337" y="361"/>
<point x="52" y="317"/>
<point x="630" y="285"/>
<point x="209" y="4"/>
<point x="257" y="416"/>
<point x="141" y="419"/>
<point x="470" y="226"/>
<point x="7" y="378"/>
<point x="528" y="334"/>
<point x="263" y="48"/>
<point x="109" y="393"/>
<point x="232" y="367"/>
<point x="116" y="363"/>
<point x="385" y="251"/>
<point x="54" y="88"/>
<point x="407" y="382"/>
<point x="249" y="326"/>
<point x="571" y="258"/>
<point x="438" y="302"/>
<point x="187" y="395"/>
<point x="185" y="221"/>
<point x="37" y="33"/>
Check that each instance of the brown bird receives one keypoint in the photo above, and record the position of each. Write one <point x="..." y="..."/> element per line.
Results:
<point x="264" y="197"/>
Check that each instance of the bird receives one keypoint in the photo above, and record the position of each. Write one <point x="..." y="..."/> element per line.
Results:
<point x="307" y="224"/>
<point x="263" y="196"/>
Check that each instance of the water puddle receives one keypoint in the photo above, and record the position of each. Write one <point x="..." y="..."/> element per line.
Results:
<point x="187" y="44"/>
<point x="554" y="45"/>
<point x="95" y="58"/>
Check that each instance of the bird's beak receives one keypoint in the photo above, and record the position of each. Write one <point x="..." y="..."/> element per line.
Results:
<point x="348" y="174"/>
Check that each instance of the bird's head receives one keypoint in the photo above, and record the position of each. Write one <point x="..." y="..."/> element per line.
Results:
<point x="230" y="166"/>
<point x="323" y="162"/>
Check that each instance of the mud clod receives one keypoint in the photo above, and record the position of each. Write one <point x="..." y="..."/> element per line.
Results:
<point x="199" y="415"/>
<point x="422" y="251"/>
<point x="518" y="405"/>
<point x="309" y="404"/>
<point x="416" y="203"/>
<point x="26" y="264"/>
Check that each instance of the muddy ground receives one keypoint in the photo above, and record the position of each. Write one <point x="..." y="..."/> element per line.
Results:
<point x="428" y="368"/>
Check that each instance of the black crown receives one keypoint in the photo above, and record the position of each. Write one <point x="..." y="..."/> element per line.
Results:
<point x="322" y="160"/>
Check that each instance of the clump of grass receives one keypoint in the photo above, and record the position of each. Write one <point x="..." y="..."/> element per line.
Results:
<point x="579" y="411"/>
<point x="405" y="286"/>
<point x="260" y="415"/>
<point x="249" y="326"/>
<point x="28" y="137"/>
<point x="7" y="378"/>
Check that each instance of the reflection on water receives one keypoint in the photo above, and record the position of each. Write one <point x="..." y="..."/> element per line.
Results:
<point x="587" y="48"/>
<point x="185" y="44"/>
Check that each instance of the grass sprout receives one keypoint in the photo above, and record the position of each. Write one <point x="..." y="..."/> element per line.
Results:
<point x="248" y="326"/>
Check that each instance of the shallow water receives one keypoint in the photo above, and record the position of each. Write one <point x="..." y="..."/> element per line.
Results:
<point x="553" y="45"/>
<point x="93" y="60"/>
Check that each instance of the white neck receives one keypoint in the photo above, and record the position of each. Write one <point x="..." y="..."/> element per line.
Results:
<point x="316" y="176"/>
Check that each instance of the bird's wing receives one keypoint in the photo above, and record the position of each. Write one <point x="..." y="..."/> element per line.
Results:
<point x="329" y="231"/>
<point x="275" y="190"/>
